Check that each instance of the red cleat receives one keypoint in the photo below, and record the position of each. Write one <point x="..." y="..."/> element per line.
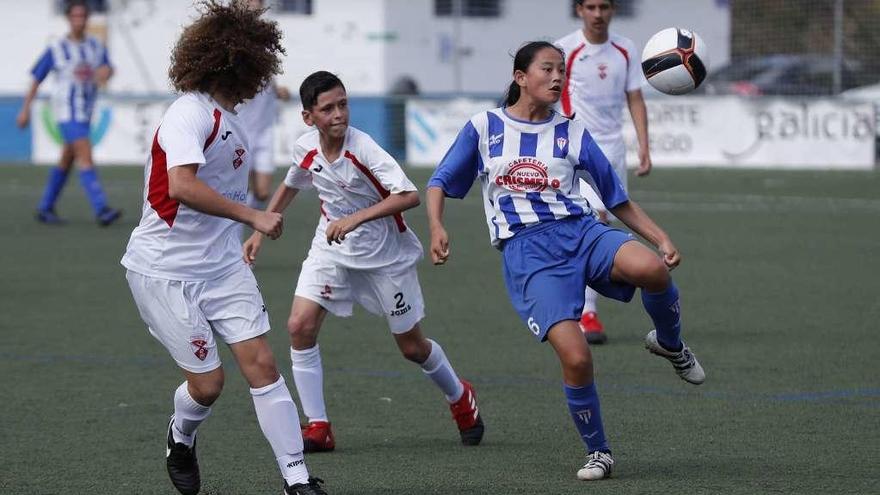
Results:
<point x="467" y="416"/>
<point x="318" y="437"/>
<point x="593" y="329"/>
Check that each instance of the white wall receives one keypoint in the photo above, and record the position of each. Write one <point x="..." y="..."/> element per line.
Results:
<point x="369" y="43"/>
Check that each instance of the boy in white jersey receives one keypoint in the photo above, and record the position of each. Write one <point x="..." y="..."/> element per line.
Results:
<point x="80" y="64"/>
<point x="528" y="159"/>
<point x="183" y="259"/>
<point x="603" y="72"/>
<point x="362" y="252"/>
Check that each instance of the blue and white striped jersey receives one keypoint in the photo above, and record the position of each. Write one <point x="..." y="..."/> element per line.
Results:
<point x="529" y="171"/>
<point x="74" y="64"/>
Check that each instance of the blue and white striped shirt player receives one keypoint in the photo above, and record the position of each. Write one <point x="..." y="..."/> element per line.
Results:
<point x="529" y="171"/>
<point x="74" y="65"/>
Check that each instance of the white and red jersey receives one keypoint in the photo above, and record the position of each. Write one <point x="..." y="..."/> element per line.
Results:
<point x="172" y="240"/>
<point x="599" y="76"/>
<point x="363" y="175"/>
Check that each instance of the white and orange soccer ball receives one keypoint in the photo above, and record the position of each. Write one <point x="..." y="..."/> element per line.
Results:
<point x="675" y="61"/>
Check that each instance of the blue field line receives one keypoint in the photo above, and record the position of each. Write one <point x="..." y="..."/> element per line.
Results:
<point x="842" y="397"/>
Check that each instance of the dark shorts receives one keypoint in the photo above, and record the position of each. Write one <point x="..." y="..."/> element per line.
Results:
<point x="547" y="267"/>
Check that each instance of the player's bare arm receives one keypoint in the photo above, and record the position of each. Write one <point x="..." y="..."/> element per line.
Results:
<point x="639" y="113"/>
<point x="439" y="237"/>
<point x="280" y="200"/>
<point x="636" y="219"/>
<point x="103" y="74"/>
<point x="393" y="204"/>
<point x="24" y="116"/>
<point x="184" y="186"/>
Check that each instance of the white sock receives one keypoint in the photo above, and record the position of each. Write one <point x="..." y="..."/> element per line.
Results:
<point x="439" y="370"/>
<point x="590" y="297"/>
<point x="279" y="421"/>
<point x="308" y="375"/>
<point x="188" y="415"/>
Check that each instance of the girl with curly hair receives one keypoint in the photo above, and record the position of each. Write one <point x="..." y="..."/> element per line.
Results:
<point x="183" y="263"/>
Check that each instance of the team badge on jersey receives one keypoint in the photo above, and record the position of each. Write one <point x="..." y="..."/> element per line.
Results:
<point x="239" y="152"/>
<point x="561" y="142"/>
<point x="526" y="175"/>
<point x="603" y="71"/>
<point x="199" y="346"/>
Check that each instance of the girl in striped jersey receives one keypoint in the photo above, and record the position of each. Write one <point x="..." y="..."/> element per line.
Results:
<point x="528" y="160"/>
<point x="80" y="64"/>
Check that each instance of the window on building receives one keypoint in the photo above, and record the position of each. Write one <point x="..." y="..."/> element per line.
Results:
<point x="622" y="8"/>
<point x="95" y="6"/>
<point x="467" y="8"/>
<point x="301" y="7"/>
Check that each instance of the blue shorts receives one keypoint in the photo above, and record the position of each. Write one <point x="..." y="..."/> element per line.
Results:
<point x="73" y="131"/>
<point x="548" y="266"/>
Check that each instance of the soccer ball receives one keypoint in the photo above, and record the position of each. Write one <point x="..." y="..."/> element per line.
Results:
<point x="675" y="61"/>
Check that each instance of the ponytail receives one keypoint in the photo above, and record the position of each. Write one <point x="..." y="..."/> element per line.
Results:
<point x="512" y="94"/>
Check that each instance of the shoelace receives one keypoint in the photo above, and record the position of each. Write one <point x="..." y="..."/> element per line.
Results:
<point x="684" y="361"/>
<point x="598" y="459"/>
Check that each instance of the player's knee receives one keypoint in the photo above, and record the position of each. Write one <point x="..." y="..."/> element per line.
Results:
<point x="655" y="275"/>
<point x="416" y="352"/>
<point x="302" y="328"/>
<point x="578" y="364"/>
<point x="206" y="392"/>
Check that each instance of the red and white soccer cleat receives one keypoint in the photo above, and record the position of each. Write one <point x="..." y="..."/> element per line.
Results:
<point x="318" y="437"/>
<point x="593" y="329"/>
<point x="467" y="416"/>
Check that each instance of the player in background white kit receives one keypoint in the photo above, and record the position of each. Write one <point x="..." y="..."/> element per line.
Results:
<point x="362" y="252"/>
<point x="603" y="73"/>
<point x="258" y="116"/>
<point x="184" y="258"/>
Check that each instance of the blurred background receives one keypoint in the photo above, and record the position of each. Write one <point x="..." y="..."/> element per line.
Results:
<point x="788" y="80"/>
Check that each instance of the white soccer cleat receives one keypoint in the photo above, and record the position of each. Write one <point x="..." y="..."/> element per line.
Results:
<point x="598" y="467"/>
<point x="685" y="363"/>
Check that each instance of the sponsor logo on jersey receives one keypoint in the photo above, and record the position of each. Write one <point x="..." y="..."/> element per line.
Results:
<point x="226" y="135"/>
<point x="83" y="72"/>
<point x="496" y="139"/>
<point x="199" y="346"/>
<point x="526" y="175"/>
<point x="318" y="168"/>
<point x="239" y="152"/>
<point x="603" y="71"/>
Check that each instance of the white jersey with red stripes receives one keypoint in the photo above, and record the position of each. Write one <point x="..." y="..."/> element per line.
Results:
<point x="599" y="76"/>
<point x="174" y="241"/>
<point x="363" y="175"/>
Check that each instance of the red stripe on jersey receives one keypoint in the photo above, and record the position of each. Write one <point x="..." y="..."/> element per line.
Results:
<point x="321" y="207"/>
<point x="398" y="218"/>
<point x="308" y="159"/>
<point x="157" y="193"/>
<point x="213" y="135"/>
<point x="623" y="51"/>
<point x="566" y="94"/>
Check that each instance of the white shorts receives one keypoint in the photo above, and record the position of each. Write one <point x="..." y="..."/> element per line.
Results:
<point x="263" y="142"/>
<point x="184" y="316"/>
<point x="391" y="292"/>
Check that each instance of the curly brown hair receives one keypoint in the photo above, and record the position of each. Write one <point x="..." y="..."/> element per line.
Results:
<point x="229" y="51"/>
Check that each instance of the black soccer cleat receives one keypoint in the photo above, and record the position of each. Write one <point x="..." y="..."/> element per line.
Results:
<point x="474" y="434"/>
<point x="313" y="487"/>
<point x="48" y="217"/>
<point x="182" y="465"/>
<point x="107" y="216"/>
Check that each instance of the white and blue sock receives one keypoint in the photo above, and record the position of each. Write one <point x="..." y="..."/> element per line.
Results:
<point x="665" y="312"/>
<point x="92" y="186"/>
<point x="54" y="185"/>
<point x="188" y="415"/>
<point x="438" y="369"/>
<point x="279" y="421"/>
<point x="583" y="404"/>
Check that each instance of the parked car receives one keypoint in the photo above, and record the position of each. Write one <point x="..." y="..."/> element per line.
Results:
<point x="794" y="75"/>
